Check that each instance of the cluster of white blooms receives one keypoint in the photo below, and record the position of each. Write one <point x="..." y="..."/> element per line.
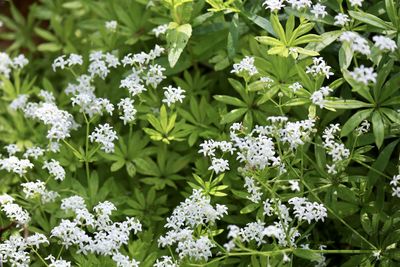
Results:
<point x="356" y="3"/>
<point x="363" y="75"/>
<point x="160" y="30"/>
<point x="256" y="149"/>
<point x="100" y="64"/>
<point x="34" y="152"/>
<point x="7" y="63"/>
<point x="12" y="149"/>
<point x="165" y="261"/>
<point x="19" y="102"/>
<point x="318" y="97"/>
<point x="319" y="10"/>
<point x="38" y="189"/>
<point x="55" y="169"/>
<point x="363" y="128"/>
<point x="13" y="211"/>
<point x="319" y="67"/>
<point x="194" y="212"/>
<point x="336" y="150"/>
<point x="208" y="147"/>
<point x="297" y="132"/>
<point x="384" y="43"/>
<point x="111" y="25"/>
<point x="128" y="110"/>
<point x="295" y="86"/>
<point x="294" y="185"/>
<point x="106" y="237"/>
<point x="357" y="43"/>
<point x="83" y="95"/>
<point x="341" y="19"/>
<point x="306" y="210"/>
<point x="173" y="95"/>
<point x="13" y="250"/>
<point x="395" y="183"/>
<point x="57" y="262"/>
<point x="105" y="136"/>
<point x="245" y="66"/>
<point x="253" y="189"/>
<point x="60" y="121"/>
<point x="273" y="5"/>
<point x="143" y="73"/>
<point x="300" y="4"/>
<point x="267" y="81"/>
<point x="219" y="165"/>
<point x="62" y="61"/>
<point x="16" y="165"/>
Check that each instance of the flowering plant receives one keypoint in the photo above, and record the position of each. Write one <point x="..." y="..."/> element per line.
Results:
<point x="200" y="133"/>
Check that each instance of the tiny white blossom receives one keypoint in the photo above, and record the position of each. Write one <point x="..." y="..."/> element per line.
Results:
<point x="104" y="135"/>
<point x="55" y="169"/>
<point x="356" y="3"/>
<point x="364" y="75"/>
<point x="111" y="25"/>
<point x="246" y="65"/>
<point x="173" y="95"/>
<point x="341" y="19"/>
<point x="160" y="30"/>
<point x="384" y="43"/>
<point x="219" y="165"/>
<point x="128" y="110"/>
<point x="273" y="5"/>
<point x="319" y="10"/>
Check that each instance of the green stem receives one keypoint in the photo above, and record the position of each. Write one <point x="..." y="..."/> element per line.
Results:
<point x="40" y="257"/>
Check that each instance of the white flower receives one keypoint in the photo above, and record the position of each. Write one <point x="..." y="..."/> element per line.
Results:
<point x="111" y="25"/>
<point x="357" y="3"/>
<point x="319" y="67"/>
<point x="300" y="4"/>
<point x="337" y="150"/>
<point x="15" y="213"/>
<point x="395" y="184"/>
<point x="58" y="263"/>
<point x="12" y="149"/>
<point x="47" y="96"/>
<point x="273" y="5"/>
<point x="306" y="210"/>
<point x="246" y="65"/>
<point x="154" y="75"/>
<point x="55" y="169"/>
<point x="128" y="110"/>
<point x="363" y="128"/>
<point x="160" y="30"/>
<point x="318" y="97"/>
<point x="173" y="95"/>
<point x="124" y="261"/>
<point x="294" y="185"/>
<point x="363" y="75"/>
<point x="253" y="189"/>
<point x="165" y="261"/>
<point x="384" y="43"/>
<point x="295" y="86"/>
<point x="34" y="152"/>
<point x="219" y="165"/>
<point x="319" y="10"/>
<point x="19" y="102"/>
<point x="13" y="164"/>
<point x="61" y="62"/>
<point x="20" y="61"/>
<point x="341" y="19"/>
<point x="104" y="135"/>
<point x="357" y="43"/>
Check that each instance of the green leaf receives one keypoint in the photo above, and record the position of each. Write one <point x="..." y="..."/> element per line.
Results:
<point x="249" y="208"/>
<point x="277" y="26"/>
<point x="370" y="20"/>
<point x="307" y="39"/>
<point x="49" y="47"/>
<point x="177" y="39"/>
<point x="233" y="115"/>
<point x="346" y="104"/>
<point x="354" y="121"/>
<point x="307" y="254"/>
<point x="117" y="165"/>
<point x="392" y="13"/>
<point x="230" y="100"/>
<point x="378" y="128"/>
<point x="267" y="40"/>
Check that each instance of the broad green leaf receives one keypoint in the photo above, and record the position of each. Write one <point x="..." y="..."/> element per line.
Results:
<point x="370" y="20"/>
<point x="177" y="38"/>
<point x="347" y="104"/>
<point x="307" y="254"/>
<point x="267" y="40"/>
<point x="354" y="121"/>
<point x="233" y="115"/>
<point x="230" y="100"/>
<point x="378" y="128"/>
<point x="249" y="208"/>
<point x="277" y="26"/>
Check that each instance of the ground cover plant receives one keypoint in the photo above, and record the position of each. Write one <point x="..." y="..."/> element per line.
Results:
<point x="199" y="133"/>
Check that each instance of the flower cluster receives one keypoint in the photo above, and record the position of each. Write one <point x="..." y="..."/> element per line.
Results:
<point x="105" y="238"/>
<point x="245" y="66"/>
<point x="38" y="189"/>
<point x="13" y="211"/>
<point x="395" y="184"/>
<point x="7" y="63"/>
<point x="55" y="169"/>
<point x="356" y="42"/>
<point x="196" y="211"/>
<point x="336" y="150"/>
<point x="363" y="75"/>
<point x="318" y="97"/>
<point x="105" y="136"/>
<point x="173" y="95"/>
<point x="319" y="67"/>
